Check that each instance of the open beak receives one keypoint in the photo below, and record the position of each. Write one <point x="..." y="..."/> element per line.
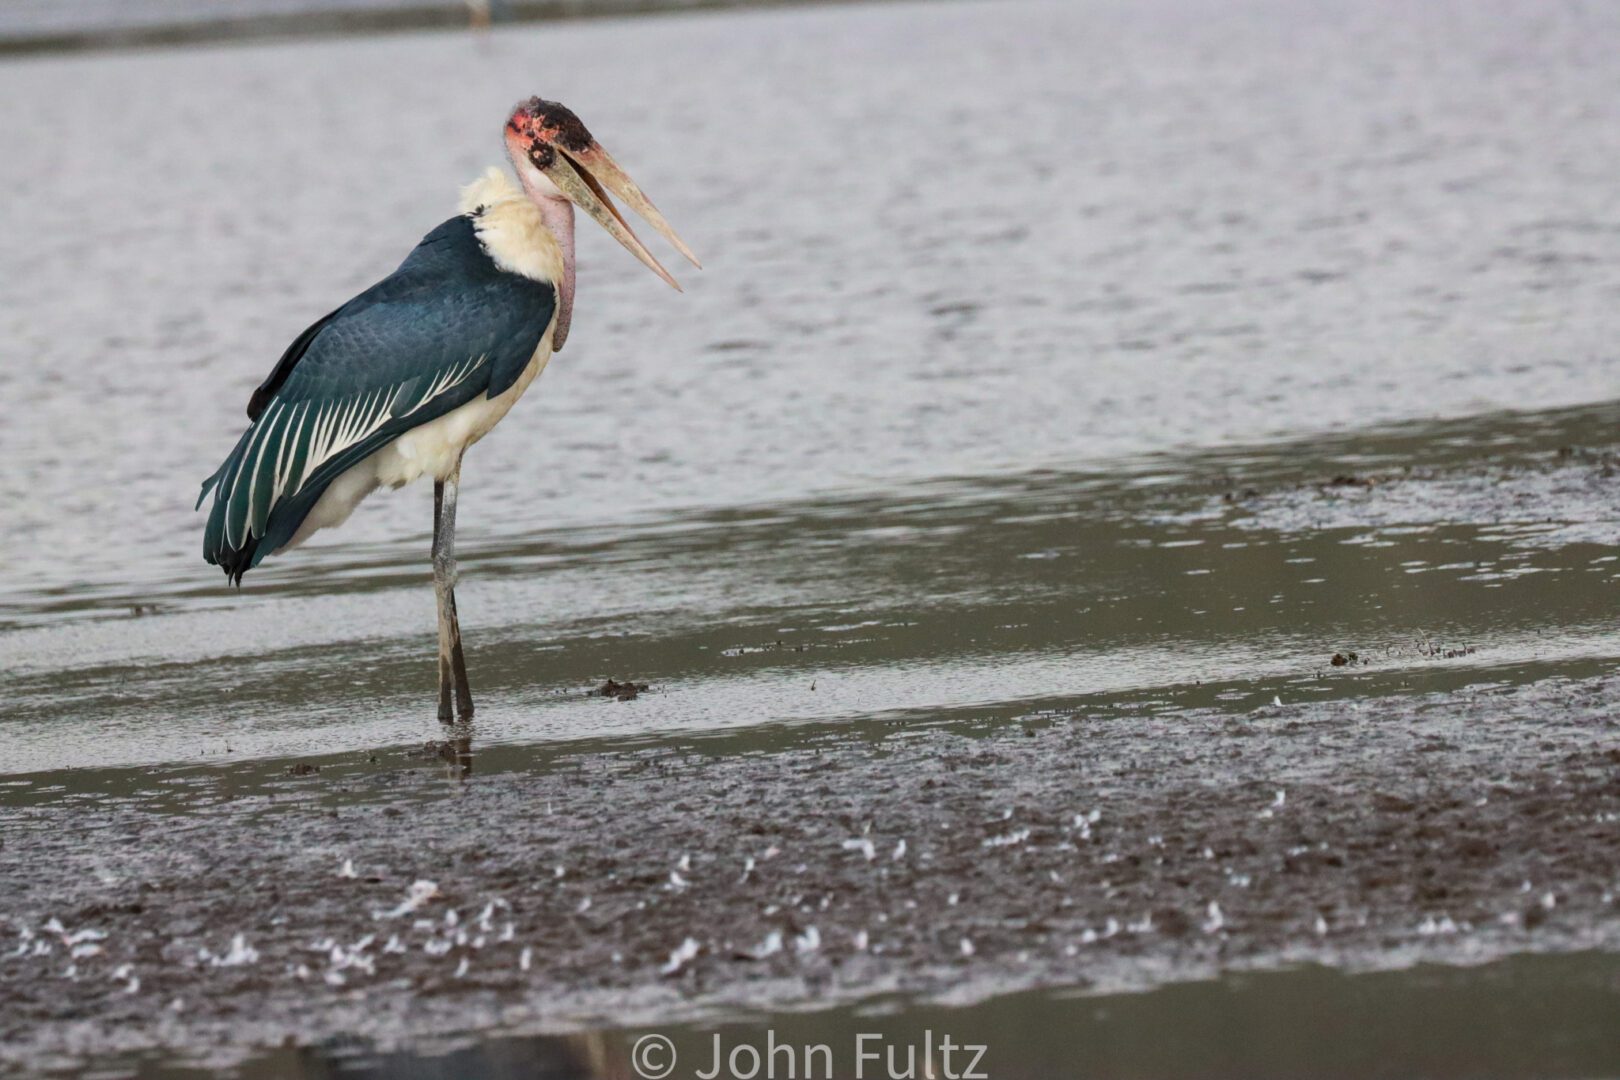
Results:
<point x="582" y="175"/>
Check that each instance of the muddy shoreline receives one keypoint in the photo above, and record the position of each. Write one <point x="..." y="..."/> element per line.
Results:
<point x="1109" y="853"/>
<point x="203" y="27"/>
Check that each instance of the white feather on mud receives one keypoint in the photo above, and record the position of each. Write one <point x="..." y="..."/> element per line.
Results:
<point x="769" y="947"/>
<point x="343" y="959"/>
<point x="682" y="955"/>
<point x="419" y="893"/>
<point x="240" y="954"/>
<point x="1441" y="927"/>
<point x="863" y="845"/>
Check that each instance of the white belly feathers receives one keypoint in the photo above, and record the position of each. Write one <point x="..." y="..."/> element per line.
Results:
<point x="433" y="449"/>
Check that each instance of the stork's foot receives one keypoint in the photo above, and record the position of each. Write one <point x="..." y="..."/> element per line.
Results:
<point x="458" y="664"/>
<point x="455" y="692"/>
<point x="455" y="702"/>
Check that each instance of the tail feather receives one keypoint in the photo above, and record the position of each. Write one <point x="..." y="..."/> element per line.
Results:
<point x="214" y="546"/>
<point x="273" y="478"/>
<point x="246" y="522"/>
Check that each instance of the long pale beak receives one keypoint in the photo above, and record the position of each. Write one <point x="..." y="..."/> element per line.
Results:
<point x="601" y="167"/>
<point x="582" y="175"/>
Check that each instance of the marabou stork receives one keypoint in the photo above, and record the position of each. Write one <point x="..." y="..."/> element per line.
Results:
<point x="400" y="381"/>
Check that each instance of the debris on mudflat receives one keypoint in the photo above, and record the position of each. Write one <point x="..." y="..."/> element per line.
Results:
<point x="1011" y="839"/>
<point x="619" y="691"/>
<point x="446" y="750"/>
<point x="680" y="957"/>
<point x="419" y="893"/>
<point x="765" y="949"/>
<point x="775" y="646"/>
<point x="862" y="845"/>
<point x="1437" y="650"/>
<point x="240" y="954"/>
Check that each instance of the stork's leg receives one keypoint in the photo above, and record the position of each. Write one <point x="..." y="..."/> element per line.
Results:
<point x="452" y="663"/>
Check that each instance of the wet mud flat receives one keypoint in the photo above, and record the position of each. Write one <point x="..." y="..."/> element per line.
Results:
<point x="1074" y="733"/>
<point x="1104" y="851"/>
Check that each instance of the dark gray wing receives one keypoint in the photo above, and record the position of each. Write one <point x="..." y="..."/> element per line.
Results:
<point x="444" y="328"/>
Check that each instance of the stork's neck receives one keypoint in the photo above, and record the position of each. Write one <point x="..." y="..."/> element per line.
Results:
<point x="558" y="217"/>
<point x="529" y="233"/>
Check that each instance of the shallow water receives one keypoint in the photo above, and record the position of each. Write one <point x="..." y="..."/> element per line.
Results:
<point x="943" y="241"/>
<point x="1228" y="579"/>
<point x="1546" y="1016"/>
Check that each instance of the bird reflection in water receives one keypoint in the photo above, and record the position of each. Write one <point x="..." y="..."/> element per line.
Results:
<point x="455" y="750"/>
<point x="589" y="1056"/>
